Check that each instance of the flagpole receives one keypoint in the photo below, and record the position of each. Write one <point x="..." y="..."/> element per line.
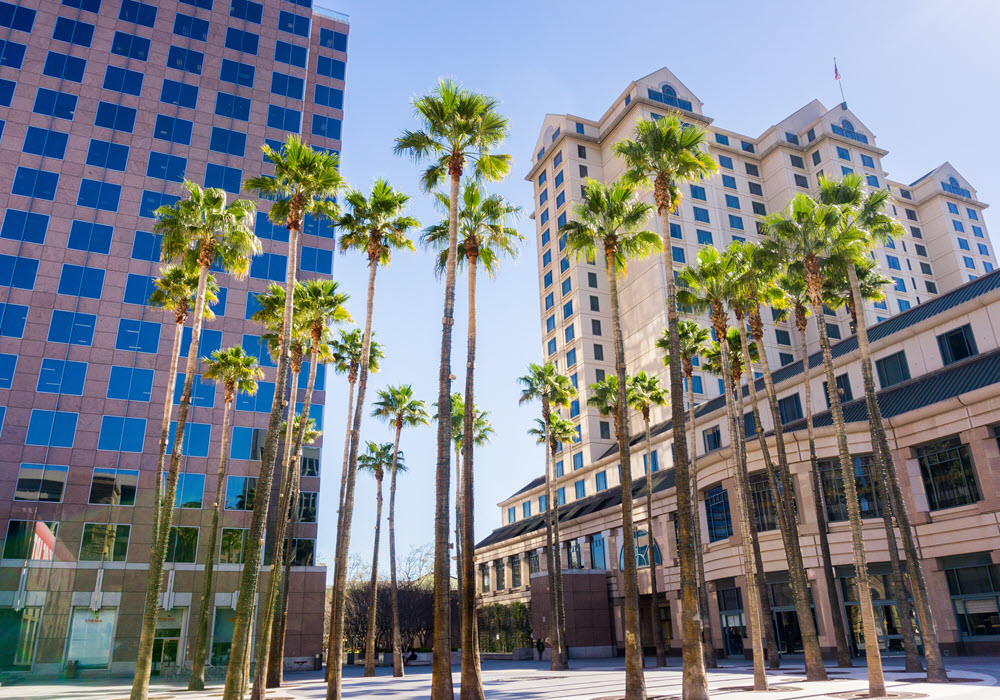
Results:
<point x="840" y="83"/>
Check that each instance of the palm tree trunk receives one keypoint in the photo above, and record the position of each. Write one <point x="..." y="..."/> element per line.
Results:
<point x="397" y="645"/>
<point x="197" y="680"/>
<point x="654" y="606"/>
<point x="836" y="610"/>
<point x="783" y="498"/>
<point x="373" y="588"/>
<point x="751" y="561"/>
<point x="168" y="409"/>
<point x="278" y="547"/>
<point x="459" y="583"/>
<point x="707" y="644"/>
<point x="472" y="681"/>
<point x="158" y="556"/>
<point x="336" y="657"/>
<point x="552" y="545"/>
<point x="559" y="613"/>
<point x="635" y="682"/>
<point x="936" y="672"/>
<point x="441" y="683"/>
<point x="340" y="509"/>
<point x="876" y="681"/>
<point x="694" y="681"/>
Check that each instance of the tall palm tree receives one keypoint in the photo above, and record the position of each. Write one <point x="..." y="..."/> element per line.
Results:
<point x="644" y="392"/>
<point x="198" y="231"/>
<point x="555" y="391"/>
<point x="457" y="127"/>
<point x="238" y="373"/>
<point x="808" y="233"/>
<point x="756" y="270"/>
<point x="175" y="291"/>
<point x="609" y="221"/>
<point x="318" y="305"/>
<point x="793" y="288"/>
<point x="397" y="406"/>
<point x="375" y="461"/>
<point x="304" y="182"/>
<point x="693" y="343"/>
<point x="484" y="238"/>
<point x="664" y="154"/>
<point x="866" y="212"/>
<point x="707" y="287"/>
<point x="376" y="226"/>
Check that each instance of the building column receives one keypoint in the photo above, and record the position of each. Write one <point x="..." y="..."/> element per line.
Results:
<point x="611" y="551"/>
<point x="983" y="451"/>
<point x="714" y="621"/>
<point x="585" y="559"/>
<point x="824" y="615"/>
<point x="525" y="570"/>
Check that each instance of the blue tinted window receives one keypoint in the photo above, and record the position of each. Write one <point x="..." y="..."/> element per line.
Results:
<point x="698" y="192"/>
<point x="219" y="307"/>
<point x="729" y="181"/>
<point x="332" y="68"/>
<point x="330" y="128"/>
<point x="255" y="346"/>
<point x="139" y="336"/>
<point x="209" y="342"/>
<point x="12" y="54"/>
<point x="735" y="222"/>
<point x="121" y="80"/>
<point x="678" y="254"/>
<point x="20" y="18"/>
<point x="17" y="272"/>
<point x="239" y="40"/>
<point x="61" y="377"/>
<point x="314" y="226"/>
<point x="115" y="117"/>
<point x="249" y="11"/>
<point x="176" y="93"/>
<point x="229" y="142"/>
<point x="843" y="153"/>
<point x="726" y="162"/>
<point x="12" y="318"/>
<point x="289" y="120"/>
<point x="237" y="73"/>
<point x="130" y="383"/>
<point x="85" y="5"/>
<point x="196" y="439"/>
<point x="63" y="66"/>
<point x="138" y="13"/>
<point x="22" y="226"/>
<point x="293" y="24"/>
<point x="8" y="363"/>
<point x="316" y="260"/>
<point x="45" y="142"/>
<point x="173" y="129"/>
<point x="704" y="237"/>
<point x="330" y="39"/>
<point x="229" y="179"/>
<point x="120" y="434"/>
<point x="94" y="238"/>
<point x="871" y="180"/>
<point x="192" y="27"/>
<point x="137" y="289"/>
<point x="51" y="428"/>
<point x="701" y="215"/>
<point x="29" y="182"/>
<point x="151" y="201"/>
<point x="187" y="60"/>
<point x="867" y="161"/>
<point x="166" y="167"/>
<point x="288" y="85"/>
<point x="104" y="154"/>
<point x="227" y="105"/>
<point x="252" y="305"/>
<point x="269" y="266"/>
<point x="72" y="328"/>
<point x="289" y="53"/>
<point x="202" y="391"/>
<point x="732" y="201"/>
<point x="955" y="224"/>
<point x="241" y="443"/>
<point x="6" y="92"/>
<point x="54" y="104"/>
<point x="76" y="280"/>
<point x="130" y="46"/>
<point x="72" y="31"/>
<point x="267" y="229"/>
<point x="99" y="195"/>
<point x="259" y="403"/>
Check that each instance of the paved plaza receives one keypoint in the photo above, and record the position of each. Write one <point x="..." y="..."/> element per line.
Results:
<point x="975" y="679"/>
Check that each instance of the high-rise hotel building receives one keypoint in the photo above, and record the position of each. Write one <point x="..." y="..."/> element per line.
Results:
<point x="940" y="281"/>
<point x="106" y="106"/>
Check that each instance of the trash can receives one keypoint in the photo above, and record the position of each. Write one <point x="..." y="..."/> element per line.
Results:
<point x="318" y="662"/>
<point x="71" y="669"/>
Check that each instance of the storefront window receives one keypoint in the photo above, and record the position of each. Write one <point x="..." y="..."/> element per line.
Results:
<point x="974" y="583"/>
<point x="222" y="635"/>
<point x="90" y="637"/>
<point x="18" y="635"/>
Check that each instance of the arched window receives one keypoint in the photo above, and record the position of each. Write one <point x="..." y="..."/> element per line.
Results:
<point x="641" y="551"/>
<point x="847" y="124"/>
<point x="953" y="182"/>
<point x="668" y="90"/>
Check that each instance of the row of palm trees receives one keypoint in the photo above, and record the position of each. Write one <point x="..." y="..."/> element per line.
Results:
<point x="830" y="241"/>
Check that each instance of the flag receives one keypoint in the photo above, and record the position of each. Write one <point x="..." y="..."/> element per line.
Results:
<point x="836" y="73"/>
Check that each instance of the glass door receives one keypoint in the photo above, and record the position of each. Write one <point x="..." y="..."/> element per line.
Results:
<point x="167" y="638"/>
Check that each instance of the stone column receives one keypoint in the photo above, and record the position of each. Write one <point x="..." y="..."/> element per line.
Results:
<point x="585" y="559"/>
<point x="525" y="571"/>
<point x="824" y="616"/>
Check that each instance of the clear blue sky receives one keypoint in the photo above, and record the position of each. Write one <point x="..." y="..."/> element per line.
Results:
<point x="921" y="75"/>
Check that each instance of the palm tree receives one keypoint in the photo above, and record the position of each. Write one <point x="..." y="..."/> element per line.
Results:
<point x="197" y="232"/>
<point x="795" y="298"/>
<point x="304" y="182"/>
<point x="756" y="271"/>
<point x="375" y="461"/>
<point x="555" y="391"/>
<point x="693" y="343"/>
<point x="865" y="211"/>
<point x="483" y="238"/>
<point x="457" y="125"/>
<point x="610" y="219"/>
<point x="707" y="287"/>
<point x="175" y="291"/>
<point x="318" y="304"/>
<point x="665" y="153"/>
<point x="808" y="233"/>
<point x="237" y="372"/>
<point x="397" y="406"/>
<point x="374" y="225"/>
<point x="644" y="391"/>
